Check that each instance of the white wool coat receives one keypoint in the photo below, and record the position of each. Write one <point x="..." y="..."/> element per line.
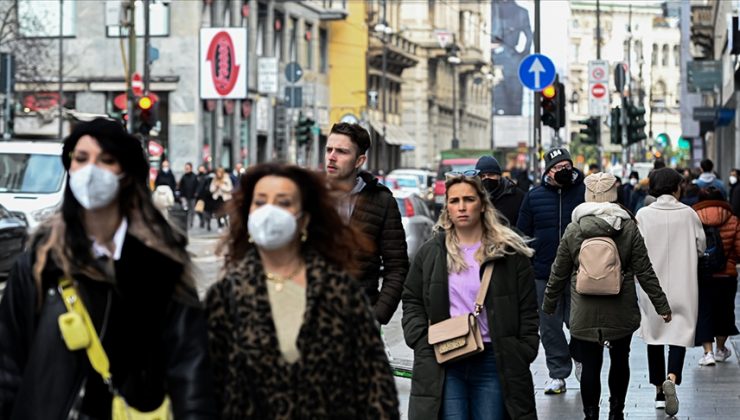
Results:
<point x="674" y="238"/>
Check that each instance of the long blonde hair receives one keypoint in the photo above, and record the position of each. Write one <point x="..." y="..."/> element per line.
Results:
<point x="497" y="238"/>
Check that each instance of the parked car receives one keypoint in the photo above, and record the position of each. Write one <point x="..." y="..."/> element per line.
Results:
<point x="449" y="165"/>
<point x="13" y="236"/>
<point x="406" y="183"/>
<point x="425" y="183"/>
<point x="416" y="218"/>
<point x="32" y="179"/>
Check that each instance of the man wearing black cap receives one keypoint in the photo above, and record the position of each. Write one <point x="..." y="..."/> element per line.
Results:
<point x="502" y="191"/>
<point x="544" y="215"/>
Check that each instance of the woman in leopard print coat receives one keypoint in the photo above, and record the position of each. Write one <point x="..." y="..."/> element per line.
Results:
<point x="342" y="371"/>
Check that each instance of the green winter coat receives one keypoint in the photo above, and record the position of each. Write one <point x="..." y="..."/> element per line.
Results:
<point x="511" y="306"/>
<point x="601" y="318"/>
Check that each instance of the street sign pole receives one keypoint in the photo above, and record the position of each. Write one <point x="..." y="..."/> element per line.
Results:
<point x="537" y="140"/>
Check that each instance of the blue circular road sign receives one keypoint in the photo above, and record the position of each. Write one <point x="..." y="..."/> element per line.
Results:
<point x="536" y="72"/>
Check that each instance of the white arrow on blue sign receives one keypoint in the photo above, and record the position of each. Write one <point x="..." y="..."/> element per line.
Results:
<point x="536" y="72"/>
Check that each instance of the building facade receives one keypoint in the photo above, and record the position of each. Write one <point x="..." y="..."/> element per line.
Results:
<point x="641" y="35"/>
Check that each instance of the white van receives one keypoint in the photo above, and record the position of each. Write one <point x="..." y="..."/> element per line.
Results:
<point x="32" y="179"/>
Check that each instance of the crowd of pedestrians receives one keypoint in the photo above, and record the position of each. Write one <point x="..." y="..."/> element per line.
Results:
<point x="101" y="319"/>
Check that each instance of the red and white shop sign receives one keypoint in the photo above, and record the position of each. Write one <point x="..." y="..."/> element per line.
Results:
<point x="223" y="63"/>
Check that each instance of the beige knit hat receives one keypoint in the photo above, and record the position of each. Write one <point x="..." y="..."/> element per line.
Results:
<point x="601" y="188"/>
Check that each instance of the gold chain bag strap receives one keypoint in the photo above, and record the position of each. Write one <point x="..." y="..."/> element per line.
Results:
<point x="459" y="337"/>
<point x="79" y="333"/>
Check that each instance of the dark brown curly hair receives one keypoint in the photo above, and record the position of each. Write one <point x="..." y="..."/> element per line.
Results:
<point x="328" y="235"/>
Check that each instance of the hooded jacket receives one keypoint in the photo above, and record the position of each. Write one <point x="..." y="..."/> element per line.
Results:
<point x="507" y="199"/>
<point x="601" y="318"/>
<point x="511" y="308"/>
<point x="544" y="215"/>
<point x="376" y="215"/>
<point x="719" y="214"/>
<point x="708" y="179"/>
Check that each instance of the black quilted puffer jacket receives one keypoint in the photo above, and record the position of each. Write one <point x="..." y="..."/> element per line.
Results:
<point x="376" y="215"/>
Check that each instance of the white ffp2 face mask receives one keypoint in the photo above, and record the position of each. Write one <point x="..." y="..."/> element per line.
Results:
<point x="733" y="180"/>
<point x="272" y="227"/>
<point x="93" y="187"/>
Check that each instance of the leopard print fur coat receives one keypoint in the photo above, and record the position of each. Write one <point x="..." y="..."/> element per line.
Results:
<point x="343" y="372"/>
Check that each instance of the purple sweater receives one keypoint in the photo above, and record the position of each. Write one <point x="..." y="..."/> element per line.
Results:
<point x="463" y="288"/>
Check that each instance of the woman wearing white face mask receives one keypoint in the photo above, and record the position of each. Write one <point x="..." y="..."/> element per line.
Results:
<point x="292" y="335"/>
<point x="111" y="266"/>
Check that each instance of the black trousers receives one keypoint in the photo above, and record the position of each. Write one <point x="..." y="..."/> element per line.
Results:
<point x="591" y="356"/>
<point x="656" y="363"/>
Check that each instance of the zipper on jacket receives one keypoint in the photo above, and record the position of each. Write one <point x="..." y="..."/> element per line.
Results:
<point x="560" y="213"/>
<point x="73" y="412"/>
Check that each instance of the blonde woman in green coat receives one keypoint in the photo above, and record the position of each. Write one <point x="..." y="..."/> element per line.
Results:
<point x="443" y="281"/>
<point x="604" y="321"/>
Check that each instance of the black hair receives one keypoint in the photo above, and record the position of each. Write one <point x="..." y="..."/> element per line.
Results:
<point x="710" y="193"/>
<point x="359" y="136"/>
<point x="133" y="196"/>
<point x="706" y="165"/>
<point x="634" y="174"/>
<point x="659" y="163"/>
<point x="664" y="181"/>
<point x="593" y="166"/>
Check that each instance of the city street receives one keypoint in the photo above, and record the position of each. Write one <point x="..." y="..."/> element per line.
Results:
<point x="707" y="393"/>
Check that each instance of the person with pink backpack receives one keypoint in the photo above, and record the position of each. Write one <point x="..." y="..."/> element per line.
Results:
<point x="600" y="255"/>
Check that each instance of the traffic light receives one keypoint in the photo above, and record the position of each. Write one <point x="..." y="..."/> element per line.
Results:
<point x="616" y="125"/>
<point x="303" y="130"/>
<point x="146" y="114"/>
<point x="635" y="123"/>
<point x="552" y="105"/>
<point x="590" y="134"/>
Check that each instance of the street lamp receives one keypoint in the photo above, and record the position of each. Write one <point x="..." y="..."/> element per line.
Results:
<point x="454" y="59"/>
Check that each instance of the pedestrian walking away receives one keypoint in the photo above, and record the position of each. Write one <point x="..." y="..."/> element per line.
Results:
<point x="369" y="206"/>
<point x="674" y="239"/>
<point x="188" y="189"/>
<point x="105" y="279"/>
<point x="603" y="242"/>
<point x="709" y="179"/>
<point x="204" y="202"/>
<point x="443" y="282"/>
<point x="717" y="276"/>
<point x="502" y="191"/>
<point x="292" y="335"/>
<point x="545" y="213"/>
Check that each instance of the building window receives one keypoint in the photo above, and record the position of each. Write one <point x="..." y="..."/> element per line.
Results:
<point x="638" y="50"/>
<point x="41" y="19"/>
<point x="664" y="62"/>
<point x="293" y="41"/>
<point x="323" y="50"/>
<point x="308" y="36"/>
<point x="676" y="56"/>
<point x="278" y="36"/>
<point x="654" y="55"/>
<point x="261" y="30"/>
<point x="159" y="21"/>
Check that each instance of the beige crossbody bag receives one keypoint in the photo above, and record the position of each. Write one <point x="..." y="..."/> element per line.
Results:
<point x="459" y="337"/>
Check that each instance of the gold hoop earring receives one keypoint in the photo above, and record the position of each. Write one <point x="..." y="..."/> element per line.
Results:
<point x="249" y="239"/>
<point x="304" y="235"/>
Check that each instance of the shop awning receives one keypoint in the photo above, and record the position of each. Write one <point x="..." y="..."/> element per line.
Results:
<point x="395" y="135"/>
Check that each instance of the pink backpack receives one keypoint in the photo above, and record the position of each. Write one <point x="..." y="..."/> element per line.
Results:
<point x="600" y="269"/>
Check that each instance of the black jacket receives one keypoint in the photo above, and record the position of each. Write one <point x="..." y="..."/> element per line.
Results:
<point x="511" y="308"/>
<point x="735" y="200"/>
<point x="544" y="215"/>
<point x="188" y="186"/>
<point x="376" y="215"/>
<point x="155" y="343"/>
<point x="507" y="199"/>
<point x="166" y="179"/>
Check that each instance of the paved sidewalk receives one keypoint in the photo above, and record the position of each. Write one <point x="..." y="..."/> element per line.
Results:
<point x="707" y="393"/>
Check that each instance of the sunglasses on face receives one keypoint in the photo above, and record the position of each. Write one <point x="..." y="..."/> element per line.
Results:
<point x="470" y="173"/>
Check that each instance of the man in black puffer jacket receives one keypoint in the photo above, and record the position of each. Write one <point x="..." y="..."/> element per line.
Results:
<point x="371" y="208"/>
<point x="545" y="213"/>
<point x="503" y="193"/>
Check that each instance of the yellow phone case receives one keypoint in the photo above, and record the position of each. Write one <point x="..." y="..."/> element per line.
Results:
<point x="74" y="332"/>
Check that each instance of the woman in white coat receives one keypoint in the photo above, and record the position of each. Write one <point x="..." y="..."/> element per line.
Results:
<point x="674" y="238"/>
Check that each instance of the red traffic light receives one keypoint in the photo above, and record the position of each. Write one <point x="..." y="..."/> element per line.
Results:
<point x="145" y="103"/>
<point x="549" y="92"/>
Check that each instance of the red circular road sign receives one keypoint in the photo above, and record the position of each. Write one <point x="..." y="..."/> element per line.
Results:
<point x="598" y="73"/>
<point x="598" y="90"/>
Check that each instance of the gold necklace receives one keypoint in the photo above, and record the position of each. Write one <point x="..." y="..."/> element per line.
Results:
<point x="280" y="280"/>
